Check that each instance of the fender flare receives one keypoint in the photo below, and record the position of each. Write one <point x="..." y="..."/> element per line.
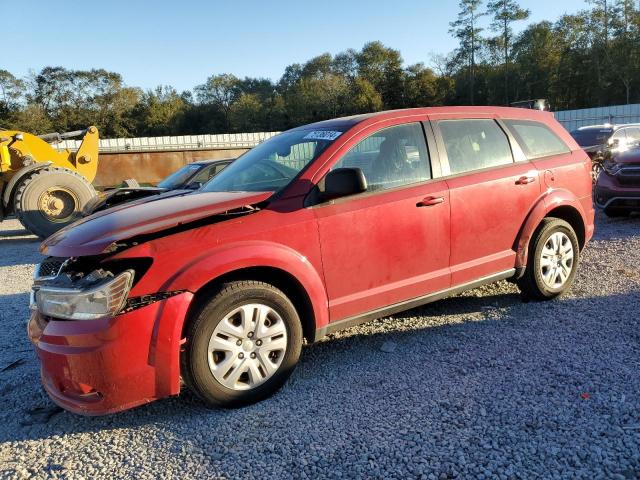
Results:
<point x="19" y="175"/>
<point x="547" y="203"/>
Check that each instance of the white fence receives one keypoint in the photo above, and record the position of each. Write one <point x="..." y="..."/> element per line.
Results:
<point x="173" y="143"/>
<point x="572" y="119"/>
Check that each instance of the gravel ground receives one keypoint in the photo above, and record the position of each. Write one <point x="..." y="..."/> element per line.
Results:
<point x="481" y="385"/>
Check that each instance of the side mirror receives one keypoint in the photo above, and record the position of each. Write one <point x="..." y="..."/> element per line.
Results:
<point x="343" y="182"/>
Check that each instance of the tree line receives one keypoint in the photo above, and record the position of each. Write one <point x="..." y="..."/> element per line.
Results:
<point x="590" y="58"/>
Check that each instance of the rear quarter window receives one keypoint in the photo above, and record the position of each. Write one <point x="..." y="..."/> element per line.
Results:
<point x="536" y="139"/>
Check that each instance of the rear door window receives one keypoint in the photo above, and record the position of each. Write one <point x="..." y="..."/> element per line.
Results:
<point x="536" y="139"/>
<point x="474" y="144"/>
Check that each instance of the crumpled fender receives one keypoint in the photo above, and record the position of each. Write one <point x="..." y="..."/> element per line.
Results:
<point x="212" y="264"/>
<point x="167" y="341"/>
<point x="548" y="202"/>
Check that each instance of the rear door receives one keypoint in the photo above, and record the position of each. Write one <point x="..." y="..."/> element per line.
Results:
<point x="490" y="193"/>
<point x="391" y="243"/>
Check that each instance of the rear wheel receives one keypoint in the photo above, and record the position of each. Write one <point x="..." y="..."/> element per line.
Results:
<point x="552" y="262"/>
<point x="51" y="198"/>
<point x="242" y="345"/>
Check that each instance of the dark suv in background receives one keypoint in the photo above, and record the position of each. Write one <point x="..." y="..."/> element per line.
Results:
<point x="602" y="141"/>
<point x="617" y="190"/>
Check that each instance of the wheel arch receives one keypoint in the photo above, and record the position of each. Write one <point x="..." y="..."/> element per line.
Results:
<point x="572" y="216"/>
<point x="560" y="204"/>
<point x="277" y="277"/>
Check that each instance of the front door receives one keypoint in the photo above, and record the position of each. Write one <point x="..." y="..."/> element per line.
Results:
<point x="391" y="243"/>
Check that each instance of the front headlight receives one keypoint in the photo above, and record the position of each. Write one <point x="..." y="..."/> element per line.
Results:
<point x="105" y="299"/>
<point x="611" y="167"/>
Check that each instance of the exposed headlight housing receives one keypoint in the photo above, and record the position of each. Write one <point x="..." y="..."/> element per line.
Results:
<point x="104" y="299"/>
<point x="611" y="167"/>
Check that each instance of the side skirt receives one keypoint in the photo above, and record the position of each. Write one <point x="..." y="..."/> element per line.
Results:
<point x="409" y="304"/>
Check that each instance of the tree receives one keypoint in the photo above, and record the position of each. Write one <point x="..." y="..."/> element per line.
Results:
<point x="364" y="97"/>
<point x="12" y="92"/>
<point x="160" y="112"/>
<point x="220" y="91"/>
<point x="465" y="28"/>
<point x="421" y="87"/>
<point x="536" y="55"/>
<point x="382" y="67"/>
<point x="624" y="53"/>
<point x="504" y="13"/>
<point x="246" y="113"/>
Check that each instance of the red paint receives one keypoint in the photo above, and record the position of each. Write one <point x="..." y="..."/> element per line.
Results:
<point x="349" y="256"/>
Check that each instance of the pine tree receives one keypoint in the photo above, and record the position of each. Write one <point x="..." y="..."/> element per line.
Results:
<point x="467" y="31"/>
<point x="504" y="13"/>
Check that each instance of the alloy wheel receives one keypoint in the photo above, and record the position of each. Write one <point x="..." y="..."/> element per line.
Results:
<point x="556" y="260"/>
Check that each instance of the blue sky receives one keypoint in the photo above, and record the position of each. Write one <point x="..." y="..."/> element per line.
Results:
<point x="182" y="43"/>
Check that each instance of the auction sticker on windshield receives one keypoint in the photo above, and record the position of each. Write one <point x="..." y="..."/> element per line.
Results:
<point x="322" y="135"/>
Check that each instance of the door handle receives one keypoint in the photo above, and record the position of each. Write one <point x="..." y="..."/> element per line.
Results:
<point x="430" y="201"/>
<point x="525" y="180"/>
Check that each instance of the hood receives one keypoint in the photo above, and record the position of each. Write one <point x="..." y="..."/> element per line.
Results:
<point x="95" y="234"/>
<point x="628" y="156"/>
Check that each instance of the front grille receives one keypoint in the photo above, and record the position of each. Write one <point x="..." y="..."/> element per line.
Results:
<point x="629" y="176"/>
<point x="50" y="267"/>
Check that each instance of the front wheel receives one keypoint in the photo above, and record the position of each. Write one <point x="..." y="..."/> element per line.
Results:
<point x="242" y="345"/>
<point x="552" y="262"/>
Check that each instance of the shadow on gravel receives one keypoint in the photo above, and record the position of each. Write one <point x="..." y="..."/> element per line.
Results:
<point x="354" y="365"/>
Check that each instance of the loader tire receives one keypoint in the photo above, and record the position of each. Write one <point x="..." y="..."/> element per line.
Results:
<point x="51" y="198"/>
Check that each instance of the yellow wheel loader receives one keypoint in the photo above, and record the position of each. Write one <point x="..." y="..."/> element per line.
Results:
<point x="45" y="188"/>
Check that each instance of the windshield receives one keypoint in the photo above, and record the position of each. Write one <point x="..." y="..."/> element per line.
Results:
<point x="177" y="179"/>
<point x="595" y="136"/>
<point x="273" y="164"/>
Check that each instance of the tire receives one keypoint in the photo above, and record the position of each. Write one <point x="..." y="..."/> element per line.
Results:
<point x="547" y="278"/>
<point x="616" y="212"/>
<point x="225" y="374"/>
<point x="51" y="198"/>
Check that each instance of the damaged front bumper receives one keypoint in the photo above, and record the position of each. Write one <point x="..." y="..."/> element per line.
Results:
<point x="105" y="365"/>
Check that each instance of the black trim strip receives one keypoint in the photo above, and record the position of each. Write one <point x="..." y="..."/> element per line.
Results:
<point x="409" y="304"/>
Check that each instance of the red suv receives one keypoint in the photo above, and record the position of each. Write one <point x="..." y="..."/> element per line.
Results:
<point x="315" y="230"/>
<point x="617" y="191"/>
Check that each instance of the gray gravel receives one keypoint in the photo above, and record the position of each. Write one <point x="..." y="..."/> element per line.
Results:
<point x="481" y="386"/>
